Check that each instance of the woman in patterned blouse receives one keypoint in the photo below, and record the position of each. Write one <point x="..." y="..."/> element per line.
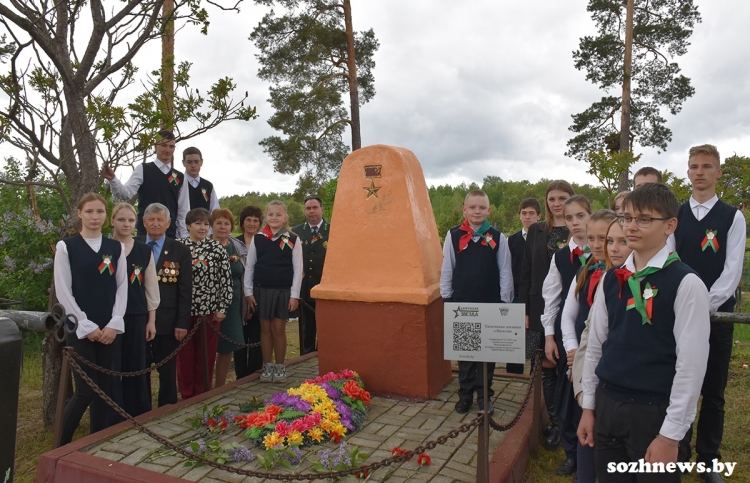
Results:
<point x="212" y="295"/>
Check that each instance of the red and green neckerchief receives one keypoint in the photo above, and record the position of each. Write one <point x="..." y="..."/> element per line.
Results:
<point x="581" y="253"/>
<point x="205" y="193"/>
<point x="137" y="275"/>
<point x="597" y="270"/>
<point x="710" y="240"/>
<point x="643" y="303"/>
<point x="482" y="232"/>
<point x="173" y="178"/>
<point x="266" y="231"/>
<point x="107" y="265"/>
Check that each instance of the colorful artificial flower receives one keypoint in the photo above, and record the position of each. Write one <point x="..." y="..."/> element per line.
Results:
<point x="272" y="439"/>
<point x="424" y="459"/>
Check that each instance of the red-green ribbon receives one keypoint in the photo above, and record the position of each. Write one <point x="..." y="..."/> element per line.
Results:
<point x="174" y="179"/>
<point x="200" y="260"/>
<point x="643" y="303"/>
<point x="106" y="264"/>
<point x="488" y="240"/>
<point x="710" y="240"/>
<point x="136" y="275"/>
<point x="205" y="193"/>
<point x="285" y="242"/>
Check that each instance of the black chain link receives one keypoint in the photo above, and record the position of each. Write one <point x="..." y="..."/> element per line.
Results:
<point x="147" y="370"/>
<point x="232" y="341"/>
<point x="526" y="398"/>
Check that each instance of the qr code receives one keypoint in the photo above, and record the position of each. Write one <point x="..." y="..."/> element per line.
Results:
<point x="467" y="336"/>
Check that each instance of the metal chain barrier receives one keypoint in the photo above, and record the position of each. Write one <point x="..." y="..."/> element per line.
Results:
<point x="147" y="370"/>
<point x="309" y="307"/>
<point x="526" y="398"/>
<point x="232" y="341"/>
<point x="466" y="427"/>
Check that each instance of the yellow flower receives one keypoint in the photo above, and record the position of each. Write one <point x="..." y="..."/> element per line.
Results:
<point x="316" y="434"/>
<point x="308" y="398"/>
<point x="294" y="437"/>
<point x="338" y="428"/>
<point x="326" y="425"/>
<point x="272" y="439"/>
<point x="333" y="415"/>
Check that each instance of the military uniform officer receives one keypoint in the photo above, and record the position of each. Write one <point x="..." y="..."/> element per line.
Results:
<point x="314" y="236"/>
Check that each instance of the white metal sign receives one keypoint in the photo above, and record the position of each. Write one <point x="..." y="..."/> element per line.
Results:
<point x="485" y="332"/>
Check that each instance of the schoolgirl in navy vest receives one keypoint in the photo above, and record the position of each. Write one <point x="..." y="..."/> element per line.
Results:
<point x="564" y="266"/>
<point x="90" y="280"/>
<point x="273" y="277"/>
<point x="477" y="269"/>
<point x="131" y="349"/>
<point x="578" y="302"/>
<point x="647" y="347"/>
<point x="542" y="241"/>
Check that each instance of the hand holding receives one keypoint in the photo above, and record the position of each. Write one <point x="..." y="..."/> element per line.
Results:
<point x="108" y="336"/>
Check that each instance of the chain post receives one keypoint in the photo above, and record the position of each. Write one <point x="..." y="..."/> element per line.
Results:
<point x="536" y="382"/>
<point x="204" y="355"/>
<point x="483" y="434"/>
<point x="61" y="393"/>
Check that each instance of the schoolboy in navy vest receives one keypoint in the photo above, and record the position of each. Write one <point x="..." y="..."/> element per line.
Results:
<point x="476" y="268"/>
<point x="710" y="238"/>
<point x="647" y="347"/>
<point x="529" y="212"/>
<point x="154" y="182"/>
<point x="199" y="192"/>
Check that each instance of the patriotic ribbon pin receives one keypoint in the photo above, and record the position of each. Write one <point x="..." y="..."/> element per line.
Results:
<point x="205" y="193"/>
<point x="488" y="240"/>
<point x="710" y="241"/>
<point x="173" y="178"/>
<point x="200" y="260"/>
<point x="106" y="264"/>
<point x="136" y="275"/>
<point x="285" y="242"/>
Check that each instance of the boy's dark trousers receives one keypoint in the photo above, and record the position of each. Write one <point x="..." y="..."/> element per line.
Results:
<point x="470" y="379"/>
<point x="711" y="415"/>
<point x="623" y="433"/>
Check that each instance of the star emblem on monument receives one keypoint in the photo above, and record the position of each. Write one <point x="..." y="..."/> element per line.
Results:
<point x="372" y="190"/>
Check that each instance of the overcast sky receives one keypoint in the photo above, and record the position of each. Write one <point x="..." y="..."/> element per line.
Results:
<point x="473" y="88"/>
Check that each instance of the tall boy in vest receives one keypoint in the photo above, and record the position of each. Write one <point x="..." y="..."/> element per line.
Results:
<point x="200" y="192"/>
<point x="476" y="268"/>
<point x="648" y="347"/>
<point x="710" y="238"/>
<point x="154" y="182"/>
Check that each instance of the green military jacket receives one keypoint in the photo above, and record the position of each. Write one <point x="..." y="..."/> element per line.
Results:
<point x="314" y="255"/>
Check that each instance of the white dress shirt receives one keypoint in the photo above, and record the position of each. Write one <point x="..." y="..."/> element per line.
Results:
<point x="252" y="257"/>
<point x="524" y="233"/>
<point x="130" y="188"/>
<point x="691" y="331"/>
<point x="724" y="286"/>
<point x="552" y="291"/>
<point x="503" y="264"/>
<point x="184" y="200"/>
<point x="569" y="316"/>
<point x="64" y="289"/>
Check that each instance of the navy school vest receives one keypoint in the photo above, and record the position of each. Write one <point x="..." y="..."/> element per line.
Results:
<point x="158" y="187"/>
<point x="200" y="197"/>
<point x="274" y="267"/>
<point x="476" y="276"/>
<point x="691" y="232"/>
<point x="638" y="360"/>
<point x="94" y="283"/>
<point x="567" y="274"/>
<point x="138" y="260"/>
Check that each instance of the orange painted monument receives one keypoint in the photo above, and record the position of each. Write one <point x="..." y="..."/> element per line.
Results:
<point x="378" y="305"/>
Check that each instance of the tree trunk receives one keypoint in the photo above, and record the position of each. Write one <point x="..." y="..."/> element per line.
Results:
<point x="352" y="67"/>
<point x="625" y="119"/>
<point x="167" y="66"/>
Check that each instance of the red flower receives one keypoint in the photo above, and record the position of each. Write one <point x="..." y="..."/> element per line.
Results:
<point x="424" y="459"/>
<point x="348" y="373"/>
<point x="362" y="474"/>
<point x="399" y="451"/>
<point x="354" y="391"/>
<point x="282" y="428"/>
<point x="240" y="420"/>
<point x="335" y="437"/>
<point x="211" y="422"/>
<point x="273" y="410"/>
<point x="223" y="423"/>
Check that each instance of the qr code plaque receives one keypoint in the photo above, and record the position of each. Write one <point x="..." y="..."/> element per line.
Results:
<point x="467" y="336"/>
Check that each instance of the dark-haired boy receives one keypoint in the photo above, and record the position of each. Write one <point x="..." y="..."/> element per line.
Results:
<point x="200" y="192"/>
<point x="529" y="212"/>
<point x="647" y="174"/>
<point x="710" y="238"/>
<point x="648" y="347"/>
<point x="476" y="268"/>
<point x="154" y="182"/>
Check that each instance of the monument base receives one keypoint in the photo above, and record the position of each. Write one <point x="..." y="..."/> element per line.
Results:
<point x="396" y="348"/>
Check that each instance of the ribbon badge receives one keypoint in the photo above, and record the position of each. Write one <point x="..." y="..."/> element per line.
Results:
<point x="200" y="260"/>
<point x="285" y="242"/>
<point x="488" y="240"/>
<point x="315" y="238"/>
<point x="234" y="258"/>
<point x="174" y="179"/>
<point x="645" y="304"/>
<point x="710" y="241"/>
<point x="205" y="193"/>
<point x="106" y="265"/>
<point x="137" y="275"/>
<point x="561" y="245"/>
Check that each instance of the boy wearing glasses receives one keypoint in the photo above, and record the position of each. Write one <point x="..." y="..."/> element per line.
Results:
<point x="710" y="238"/>
<point x="648" y="346"/>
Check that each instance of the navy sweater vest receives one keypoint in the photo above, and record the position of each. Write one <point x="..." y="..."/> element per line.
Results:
<point x="94" y="289"/>
<point x="200" y="197"/>
<point x="567" y="274"/>
<point x="157" y="188"/>
<point x="139" y="258"/>
<point x="516" y="245"/>
<point x="638" y="360"/>
<point x="476" y="276"/>
<point x="274" y="267"/>
<point x="691" y="232"/>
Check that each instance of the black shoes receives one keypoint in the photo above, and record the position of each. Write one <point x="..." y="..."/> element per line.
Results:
<point x="712" y="477"/>
<point x="567" y="468"/>
<point x="552" y="441"/>
<point x="463" y="405"/>
<point x="489" y="406"/>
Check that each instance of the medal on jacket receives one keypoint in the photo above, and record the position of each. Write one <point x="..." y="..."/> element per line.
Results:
<point x="710" y="241"/>
<point x="106" y="264"/>
<point x="234" y="258"/>
<point x="174" y="179"/>
<point x="285" y="242"/>
<point x="136" y="275"/>
<point x="205" y="193"/>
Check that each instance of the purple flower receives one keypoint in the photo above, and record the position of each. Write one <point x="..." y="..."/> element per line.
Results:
<point x="240" y="454"/>
<point x="325" y="458"/>
<point x="331" y="391"/>
<point x="286" y="400"/>
<point x="201" y="447"/>
<point x="228" y="415"/>
<point x="344" y="410"/>
<point x="296" y="459"/>
<point x="347" y="423"/>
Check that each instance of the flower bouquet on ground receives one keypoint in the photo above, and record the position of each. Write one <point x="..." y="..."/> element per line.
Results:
<point x="319" y="410"/>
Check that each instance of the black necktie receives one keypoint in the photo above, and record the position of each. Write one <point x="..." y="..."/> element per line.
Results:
<point x="152" y="244"/>
<point x="314" y="230"/>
